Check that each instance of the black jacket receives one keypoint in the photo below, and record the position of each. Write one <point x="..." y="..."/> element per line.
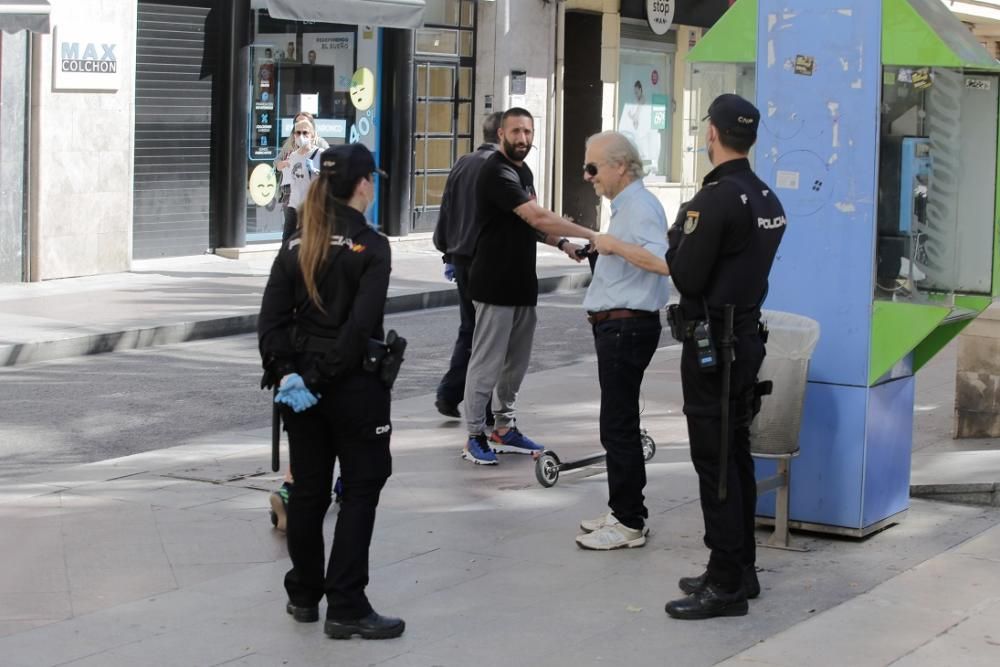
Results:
<point x="724" y="242"/>
<point x="457" y="227"/>
<point x="353" y="284"/>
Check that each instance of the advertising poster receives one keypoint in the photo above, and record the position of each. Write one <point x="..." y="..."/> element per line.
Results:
<point x="332" y="49"/>
<point x="263" y="125"/>
<point x="643" y="109"/>
<point x="281" y="46"/>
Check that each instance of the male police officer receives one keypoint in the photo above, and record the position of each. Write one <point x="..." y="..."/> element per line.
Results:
<point x="721" y="250"/>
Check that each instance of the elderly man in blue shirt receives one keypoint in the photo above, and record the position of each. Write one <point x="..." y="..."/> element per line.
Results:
<point x="623" y="304"/>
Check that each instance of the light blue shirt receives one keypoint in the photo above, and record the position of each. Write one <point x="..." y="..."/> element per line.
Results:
<point x="637" y="217"/>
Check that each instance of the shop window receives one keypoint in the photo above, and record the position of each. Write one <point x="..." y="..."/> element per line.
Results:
<point x="468" y="14"/>
<point x="707" y="81"/>
<point x="645" y="106"/>
<point x="435" y="118"/>
<point x="298" y="66"/>
<point x="434" y="153"/>
<point x="444" y="55"/>
<point x="465" y="83"/>
<point x="435" y="81"/>
<point x="444" y="12"/>
<point x="429" y="189"/>
<point x="437" y="42"/>
<point x="465" y="118"/>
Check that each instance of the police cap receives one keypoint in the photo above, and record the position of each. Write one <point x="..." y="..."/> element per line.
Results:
<point x="345" y="165"/>
<point x="735" y="116"/>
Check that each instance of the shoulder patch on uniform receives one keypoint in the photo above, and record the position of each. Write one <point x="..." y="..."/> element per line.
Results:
<point x="347" y="242"/>
<point x="691" y="221"/>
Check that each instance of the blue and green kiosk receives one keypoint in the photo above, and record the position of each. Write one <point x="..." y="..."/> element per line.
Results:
<point x="879" y="134"/>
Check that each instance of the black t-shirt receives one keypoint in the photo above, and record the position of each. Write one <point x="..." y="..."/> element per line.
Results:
<point x="503" y="266"/>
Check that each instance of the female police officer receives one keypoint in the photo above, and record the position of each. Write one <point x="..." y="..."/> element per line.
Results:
<point x="322" y="305"/>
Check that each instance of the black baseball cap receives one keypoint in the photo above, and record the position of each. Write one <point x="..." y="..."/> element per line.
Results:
<point x="345" y="165"/>
<point x="735" y="116"/>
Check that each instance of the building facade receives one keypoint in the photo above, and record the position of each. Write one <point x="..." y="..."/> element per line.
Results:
<point x="141" y="129"/>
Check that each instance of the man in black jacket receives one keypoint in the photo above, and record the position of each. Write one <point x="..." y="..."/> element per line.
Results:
<point x="455" y="236"/>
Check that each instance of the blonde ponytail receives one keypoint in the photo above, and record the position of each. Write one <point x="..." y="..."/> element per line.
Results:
<point x="316" y="219"/>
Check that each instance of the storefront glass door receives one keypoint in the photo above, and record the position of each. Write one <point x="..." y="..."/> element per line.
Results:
<point x="443" y="114"/>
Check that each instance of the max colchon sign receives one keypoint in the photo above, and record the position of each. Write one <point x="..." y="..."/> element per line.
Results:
<point x="86" y="58"/>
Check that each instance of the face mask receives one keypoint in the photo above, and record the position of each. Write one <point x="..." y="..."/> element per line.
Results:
<point x="370" y="207"/>
<point x="302" y="140"/>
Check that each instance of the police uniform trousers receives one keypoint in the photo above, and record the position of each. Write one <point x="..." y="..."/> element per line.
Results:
<point x="624" y="349"/>
<point x="729" y="524"/>
<point x="350" y="424"/>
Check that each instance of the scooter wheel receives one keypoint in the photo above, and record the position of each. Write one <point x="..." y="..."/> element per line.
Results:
<point x="547" y="469"/>
<point x="648" y="447"/>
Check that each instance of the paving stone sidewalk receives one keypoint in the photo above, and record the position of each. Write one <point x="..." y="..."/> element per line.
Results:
<point x="167" y="558"/>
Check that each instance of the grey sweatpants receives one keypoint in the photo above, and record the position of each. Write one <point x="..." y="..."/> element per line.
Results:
<point x="501" y="350"/>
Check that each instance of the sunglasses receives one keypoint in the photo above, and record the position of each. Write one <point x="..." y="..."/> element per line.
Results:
<point x="590" y="169"/>
<point x="303" y="132"/>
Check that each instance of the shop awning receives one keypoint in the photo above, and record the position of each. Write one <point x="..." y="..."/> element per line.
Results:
<point x="16" y="15"/>
<point x="379" y="13"/>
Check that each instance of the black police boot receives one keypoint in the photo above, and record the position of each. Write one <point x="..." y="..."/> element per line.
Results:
<point x="750" y="583"/>
<point x="303" y="614"/>
<point x="372" y="626"/>
<point x="709" y="603"/>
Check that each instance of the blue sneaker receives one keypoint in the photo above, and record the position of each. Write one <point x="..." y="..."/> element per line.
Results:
<point x="514" y="442"/>
<point x="477" y="450"/>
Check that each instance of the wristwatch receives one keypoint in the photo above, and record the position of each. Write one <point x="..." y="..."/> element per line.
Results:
<point x="561" y="242"/>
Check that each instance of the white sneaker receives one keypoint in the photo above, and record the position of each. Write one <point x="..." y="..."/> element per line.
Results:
<point x="590" y="525"/>
<point x="613" y="535"/>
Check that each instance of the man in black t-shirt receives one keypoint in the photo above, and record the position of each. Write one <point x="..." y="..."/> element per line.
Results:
<point x="503" y="287"/>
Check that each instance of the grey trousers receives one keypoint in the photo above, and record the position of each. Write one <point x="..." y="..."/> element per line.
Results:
<point x="501" y="350"/>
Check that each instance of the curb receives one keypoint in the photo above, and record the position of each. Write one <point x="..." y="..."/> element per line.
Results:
<point x="17" y="354"/>
<point x="982" y="493"/>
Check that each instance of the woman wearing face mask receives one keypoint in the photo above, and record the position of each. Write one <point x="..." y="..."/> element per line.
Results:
<point x="284" y="162"/>
<point x="301" y="167"/>
<point x="323" y="302"/>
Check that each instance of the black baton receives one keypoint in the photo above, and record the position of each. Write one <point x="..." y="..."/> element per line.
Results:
<point x="726" y="348"/>
<point x="275" y="435"/>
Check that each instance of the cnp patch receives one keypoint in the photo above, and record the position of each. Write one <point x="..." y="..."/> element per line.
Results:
<point x="691" y="222"/>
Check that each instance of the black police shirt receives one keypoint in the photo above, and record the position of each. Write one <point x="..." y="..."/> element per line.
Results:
<point x="724" y="241"/>
<point x="503" y="266"/>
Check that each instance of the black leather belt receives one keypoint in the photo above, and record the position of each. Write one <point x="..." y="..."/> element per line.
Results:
<point x="618" y="314"/>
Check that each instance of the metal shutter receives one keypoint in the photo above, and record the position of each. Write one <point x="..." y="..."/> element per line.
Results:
<point x="172" y="212"/>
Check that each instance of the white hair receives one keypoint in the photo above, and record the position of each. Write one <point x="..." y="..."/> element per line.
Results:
<point x="619" y="149"/>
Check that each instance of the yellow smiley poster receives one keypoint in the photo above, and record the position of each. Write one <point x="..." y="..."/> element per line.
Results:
<point x="362" y="89"/>
<point x="263" y="184"/>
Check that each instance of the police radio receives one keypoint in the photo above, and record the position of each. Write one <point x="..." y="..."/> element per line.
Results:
<point x="701" y="334"/>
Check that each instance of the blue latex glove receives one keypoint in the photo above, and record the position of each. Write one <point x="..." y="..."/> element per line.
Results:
<point x="294" y="393"/>
<point x="449" y="272"/>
